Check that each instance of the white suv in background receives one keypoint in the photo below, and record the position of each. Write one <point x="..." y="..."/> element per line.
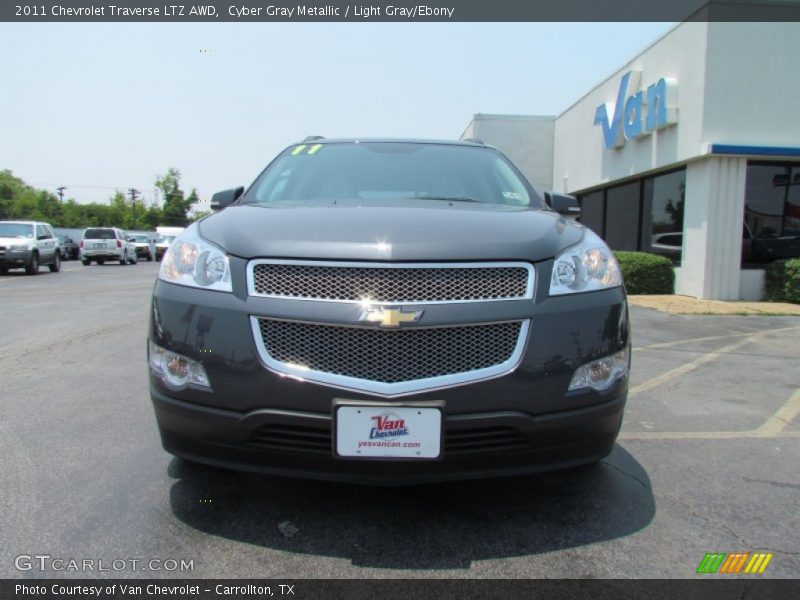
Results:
<point x="28" y="244"/>
<point x="100" y="244"/>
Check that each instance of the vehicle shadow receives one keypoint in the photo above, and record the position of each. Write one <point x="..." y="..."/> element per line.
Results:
<point x="438" y="526"/>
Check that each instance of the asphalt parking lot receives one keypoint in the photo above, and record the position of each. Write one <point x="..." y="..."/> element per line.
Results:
<point x="707" y="461"/>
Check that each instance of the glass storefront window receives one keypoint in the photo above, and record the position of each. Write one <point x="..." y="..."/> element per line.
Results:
<point x="592" y="212"/>
<point x="622" y="217"/>
<point x="646" y="214"/>
<point x="663" y="202"/>
<point x="771" y="213"/>
<point x="764" y="197"/>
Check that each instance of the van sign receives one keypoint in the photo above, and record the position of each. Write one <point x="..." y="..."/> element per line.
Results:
<point x="639" y="114"/>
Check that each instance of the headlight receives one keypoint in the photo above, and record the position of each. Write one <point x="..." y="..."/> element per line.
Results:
<point x="176" y="370"/>
<point x="18" y="247"/>
<point x="587" y="267"/>
<point x="600" y="374"/>
<point x="191" y="260"/>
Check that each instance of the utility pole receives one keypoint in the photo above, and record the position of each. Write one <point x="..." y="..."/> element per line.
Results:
<point x="134" y="193"/>
<point x="60" y="191"/>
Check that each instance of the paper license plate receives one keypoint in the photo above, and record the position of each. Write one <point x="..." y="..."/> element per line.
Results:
<point x="386" y="431"/>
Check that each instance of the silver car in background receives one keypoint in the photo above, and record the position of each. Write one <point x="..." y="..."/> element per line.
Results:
<point x="144" y="247"/>
<point x="100" y="244"/>
<point x="28" y="244"/>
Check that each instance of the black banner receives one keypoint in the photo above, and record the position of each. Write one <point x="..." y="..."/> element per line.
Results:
<point x="401" y="589"/>
<point x="399" y="11"/>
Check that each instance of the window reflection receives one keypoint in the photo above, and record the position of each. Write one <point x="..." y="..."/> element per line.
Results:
<point x="662" y="227"/>
<point x="772" y="212"/>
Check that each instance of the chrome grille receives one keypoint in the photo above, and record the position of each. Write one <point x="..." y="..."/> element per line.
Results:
<point x="399" y="283"/>
<point x="388" y="362"/>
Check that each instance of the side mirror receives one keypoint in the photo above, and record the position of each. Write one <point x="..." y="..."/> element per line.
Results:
<point x="222" y="199"/>
<point x="563" y="204"/>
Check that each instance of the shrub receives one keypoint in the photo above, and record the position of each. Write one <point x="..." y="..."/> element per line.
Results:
<point x="645" y="273"/>
<point x="783" y="281"/>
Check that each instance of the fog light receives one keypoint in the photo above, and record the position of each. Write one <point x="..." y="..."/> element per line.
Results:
<point x="176" y="370"/>
<point x="602" y="373"/>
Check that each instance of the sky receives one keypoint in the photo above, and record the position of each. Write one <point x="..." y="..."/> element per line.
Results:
<point x="101" y="106"/>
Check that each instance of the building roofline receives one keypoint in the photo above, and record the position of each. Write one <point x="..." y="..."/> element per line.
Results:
<point x="621" y="68"/>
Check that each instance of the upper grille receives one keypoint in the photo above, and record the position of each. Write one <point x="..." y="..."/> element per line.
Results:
<point x="355" y="357"/>
<point x="406" y="283"/>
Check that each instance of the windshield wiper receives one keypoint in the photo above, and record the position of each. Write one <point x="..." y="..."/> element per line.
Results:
<point x="446" y="198"/>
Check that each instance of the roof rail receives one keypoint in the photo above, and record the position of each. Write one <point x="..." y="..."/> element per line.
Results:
<point x="474" y="141"/>
<point x="313" y="138"/>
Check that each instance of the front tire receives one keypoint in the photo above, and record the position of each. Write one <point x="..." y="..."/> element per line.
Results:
<point x="86" y="262"/>
<point x="124" y="260"/>
<point x="32" y="268"/>
<point x="55" y="267"/>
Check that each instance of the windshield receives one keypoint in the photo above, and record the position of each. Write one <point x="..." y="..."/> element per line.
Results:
<point x="19" y="230"/>
<point x="99" y="234"/>
<point x="165" y="239"/>
<point x="390" y="171"/>
<point x="140" y="238"/>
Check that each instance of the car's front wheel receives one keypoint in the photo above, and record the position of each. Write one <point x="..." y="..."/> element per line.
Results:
<point x="86" y="262"/>
<point x="55" y="266"/>
<point x="124" y="260"/>
<point x="32" y="268"/>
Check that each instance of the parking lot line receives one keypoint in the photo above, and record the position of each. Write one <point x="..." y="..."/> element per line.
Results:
<point x="698" y="362"/>
<point x="709" y="338"/>
<point x="778" y="422"/>
<point x="686" y="368"/>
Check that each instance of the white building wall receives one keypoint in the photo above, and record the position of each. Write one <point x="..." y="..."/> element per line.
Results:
<point x="580" y="155"/>
<point x="712" y="229"/>
<point x="526" y="140"/>
<point x="752" y="84"/>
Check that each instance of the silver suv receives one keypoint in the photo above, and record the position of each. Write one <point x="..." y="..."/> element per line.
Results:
<point x="28" y="244"/>
<point x="100" y="244"/>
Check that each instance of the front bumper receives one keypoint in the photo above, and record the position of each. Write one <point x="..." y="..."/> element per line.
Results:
<point x="254" y="419"/>
<point x="476" y="445"/>
<point x="14" y="258"/>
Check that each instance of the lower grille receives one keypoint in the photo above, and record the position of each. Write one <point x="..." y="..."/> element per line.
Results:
<point x="388" y="357"/>
<point x="487" y="439"/>
<point x="291" y="438"/>
<point x="317" y="440"/>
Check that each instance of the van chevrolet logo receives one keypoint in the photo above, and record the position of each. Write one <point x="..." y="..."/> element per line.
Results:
<point x="389" y="317"/>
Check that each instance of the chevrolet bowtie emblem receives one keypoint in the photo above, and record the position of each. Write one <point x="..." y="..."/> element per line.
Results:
<point x="389" y="317"/>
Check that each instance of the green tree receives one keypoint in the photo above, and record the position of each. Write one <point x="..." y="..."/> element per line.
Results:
<point x="176" y="206"/>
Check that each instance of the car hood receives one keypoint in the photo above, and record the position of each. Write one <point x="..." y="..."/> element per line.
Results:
<point x="396" y="233"/>
<point x="8" y="241"/>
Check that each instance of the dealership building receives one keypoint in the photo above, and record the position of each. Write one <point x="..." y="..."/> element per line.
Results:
<point x="691" y="149"/>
